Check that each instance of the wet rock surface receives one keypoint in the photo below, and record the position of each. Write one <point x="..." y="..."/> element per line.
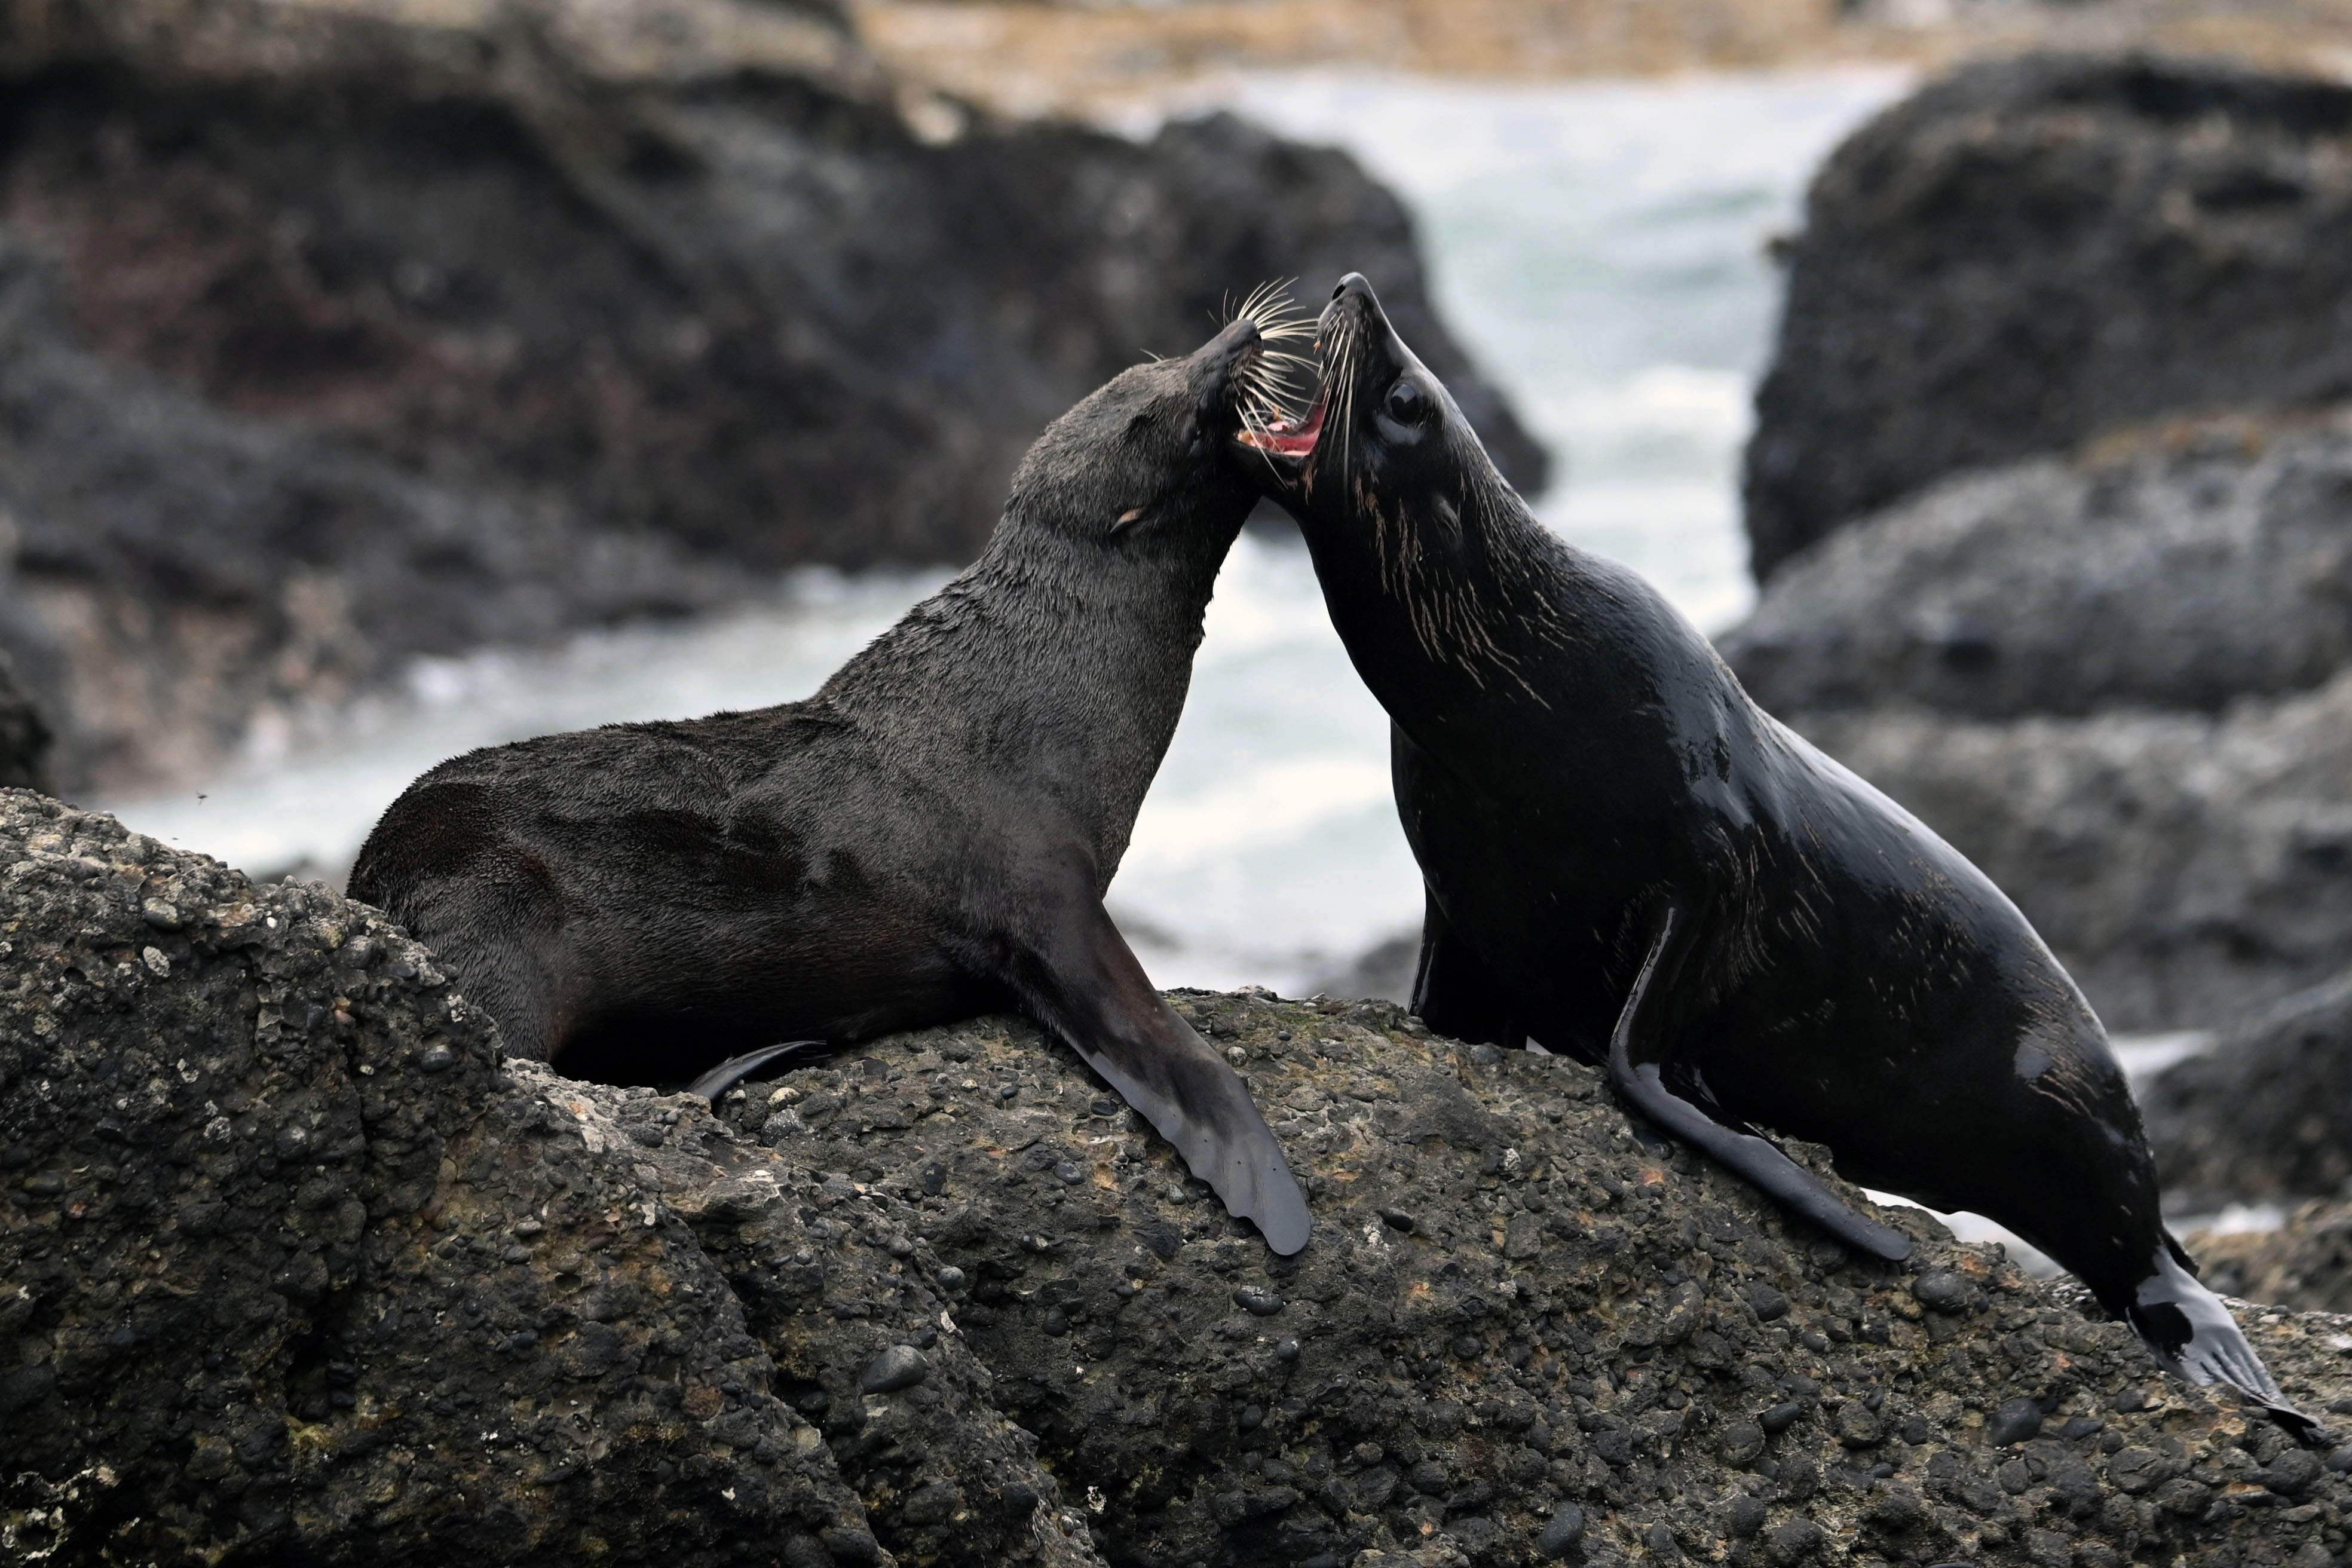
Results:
<point x="2176" y="567"/>
<point x="291" y="1269"/>
<point x="2188" y="868"/>
<point x="692" y="282"/>
<point x="2032" y="250"/>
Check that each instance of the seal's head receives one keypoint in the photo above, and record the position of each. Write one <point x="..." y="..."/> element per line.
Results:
<point x="1146" y="462"/>
<point x="1396" y="495"/>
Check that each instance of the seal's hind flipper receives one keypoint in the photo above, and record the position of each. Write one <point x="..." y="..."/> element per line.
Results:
<point x="735" y="1069"/>
<point x="1786" y="1181"/>
<point x="2192" y="1335"/>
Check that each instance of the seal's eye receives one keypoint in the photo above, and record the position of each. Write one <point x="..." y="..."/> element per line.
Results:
<point x="1406" y="404"/>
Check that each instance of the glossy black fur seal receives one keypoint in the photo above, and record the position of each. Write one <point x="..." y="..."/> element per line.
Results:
<point x="927" y="838"/>
<point x="1630" y="861"/>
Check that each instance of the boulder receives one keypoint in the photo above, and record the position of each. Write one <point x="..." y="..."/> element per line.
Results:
<point x="688" y="279"/>
<point x="2186" y="867"/>
<point x="2032" y="250"/>
<point x="2178" y="567"/>
<point x="294" y="1269"/>
<point x="2305" y="1265"/>
<point x="2267" y="1114"/>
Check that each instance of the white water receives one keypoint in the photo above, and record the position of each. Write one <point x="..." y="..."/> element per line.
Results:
<point x="1599" y="248"/>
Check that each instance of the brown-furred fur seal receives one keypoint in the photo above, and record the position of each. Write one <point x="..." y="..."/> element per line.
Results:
<point x="1629" y="860"/>
<point x="927" y="838"/>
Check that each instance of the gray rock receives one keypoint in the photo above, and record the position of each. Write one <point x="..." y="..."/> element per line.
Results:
<point x="215" y="1347"/>
<point x="2181" y="568"/>
<point x="2032" y="250"/>
<point x="423" y="296"/>
<point x="2187" y="868"/>
<point x="899" y="1367"/>
<point x="2305" y="1265"/>
<point x="2267" y="1114"/>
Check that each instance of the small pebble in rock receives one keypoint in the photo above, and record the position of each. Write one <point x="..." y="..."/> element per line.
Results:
<point x="1258" y="1301"/>
<point x="1252" y="1418"/>
<point x="951" y="1277"/>
<point x="1008" y="1092"/>
<point x="901" y="1366"/>
<point x="1179" y="1195"/>
<point x="1780" y="1417"/>
<point x="1942" y="1289"/>
<point x="1397" y="1219"/>
<point x="1070" y="1172"/>
<point x="1566" y="1528"/>
<point x="1104" y="1105"/>
<point x="1286" y="1351"/>
<point x="436" y="1058"/>
<point x="2014" y="1422"/>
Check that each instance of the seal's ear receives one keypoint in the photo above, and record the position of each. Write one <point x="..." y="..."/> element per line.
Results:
<point x="1133" y="514"/>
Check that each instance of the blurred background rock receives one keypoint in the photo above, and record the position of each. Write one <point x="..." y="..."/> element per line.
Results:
<point x="384" y="377"/>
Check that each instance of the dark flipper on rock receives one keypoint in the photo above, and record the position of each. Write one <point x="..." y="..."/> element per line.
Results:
<point x="735" y="1069"/>
<point x="1787" y="1183"/>
<point x="1081" y="981"/>
<point x="2192" y="1335"/>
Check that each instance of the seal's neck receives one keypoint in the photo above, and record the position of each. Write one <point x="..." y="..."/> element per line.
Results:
<point x="1058" y="665"/>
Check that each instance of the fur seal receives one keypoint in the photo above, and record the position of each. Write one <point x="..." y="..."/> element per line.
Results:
<point x="927" y="838"/>
<point x="1630" y="861"/>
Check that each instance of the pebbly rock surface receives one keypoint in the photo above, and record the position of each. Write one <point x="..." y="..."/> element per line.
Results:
<point x="2187" y="868"/>
<point x="435" y="296"/>
<point x="2176" y="567"/>
<point x="2267" y="1114"/>
<point x="2032" y="250"/>
<point x="291" y="1269"/>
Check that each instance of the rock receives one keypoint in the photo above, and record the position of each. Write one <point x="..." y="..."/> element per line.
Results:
<point x="2032" y="250"/>
<point x="273" y="1291"/>
<point x="24" y="735"/>
<point x="1384" y="970"/>
<point x="481" y="323"/>
<point x="2267" y="1114"/>
<point x="2187" y="868"/>
<point x="2305" y="1265"/>
<point x="2180" y="567"/>
<point x="270" y="1293"/>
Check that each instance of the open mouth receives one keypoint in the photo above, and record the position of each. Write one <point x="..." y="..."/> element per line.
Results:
<point x="1287" y="436"/>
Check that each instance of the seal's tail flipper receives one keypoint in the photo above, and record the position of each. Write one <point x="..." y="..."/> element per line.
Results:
<point x="2192" y="1336"/>
<point x="735" y="1069"/>
<point x="1786" y="1181"/>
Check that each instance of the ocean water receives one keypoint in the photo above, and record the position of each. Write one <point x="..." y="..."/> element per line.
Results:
<point x="1600" y="246"/>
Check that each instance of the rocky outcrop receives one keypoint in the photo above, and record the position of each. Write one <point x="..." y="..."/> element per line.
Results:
<point x="673" y="285"/>
<point x="293" y="1268"/>
<point x="2267" y="1114"/>
<point x="2033" y="250"/>
<point x="2178" y="567"/>
<point x="2305" y="1265"/>
<point x="2185" y="868"/>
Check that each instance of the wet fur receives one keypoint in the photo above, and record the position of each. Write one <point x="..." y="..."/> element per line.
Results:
<point x="928" y="836"/>
<point x="1630" y="861"/>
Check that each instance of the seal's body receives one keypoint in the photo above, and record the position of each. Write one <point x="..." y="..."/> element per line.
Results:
<point x="1629" y="860"/>
<point x="928" y="836"/>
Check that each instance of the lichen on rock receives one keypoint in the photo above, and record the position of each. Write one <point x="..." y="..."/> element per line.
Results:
<point x="292" y="1267"/>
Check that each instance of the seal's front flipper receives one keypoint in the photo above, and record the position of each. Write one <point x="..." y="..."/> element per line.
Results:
<point x="1078" y="977"/>
<point x="735" y="1069"/>
<point x="1453" y="992"/>
<point x="1634" y="1068"/>
<point x="2191" y="1335"/>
